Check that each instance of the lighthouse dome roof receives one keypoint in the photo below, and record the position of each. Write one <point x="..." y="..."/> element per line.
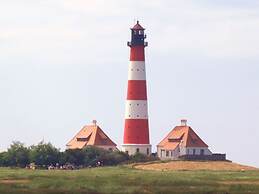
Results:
<point x="137" y="26"/>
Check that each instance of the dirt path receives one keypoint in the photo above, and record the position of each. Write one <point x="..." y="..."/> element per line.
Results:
<point x="13" y="181"/>
<point x="195" y="165"/>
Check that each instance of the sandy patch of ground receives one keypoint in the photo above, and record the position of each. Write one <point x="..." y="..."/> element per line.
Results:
<point x="240" y="182"/>
<point x="13" y="181"/>
<point x="195" y="165"/>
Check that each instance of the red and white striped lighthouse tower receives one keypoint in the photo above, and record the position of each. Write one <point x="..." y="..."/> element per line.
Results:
<point x="136" y="130"/>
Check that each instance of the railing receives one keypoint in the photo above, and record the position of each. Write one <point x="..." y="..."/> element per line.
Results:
<point x="130" y="44"/>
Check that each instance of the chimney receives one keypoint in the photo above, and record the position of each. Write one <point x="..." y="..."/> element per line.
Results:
<point x="94" y="122"/>
<point x="183" y="122"/>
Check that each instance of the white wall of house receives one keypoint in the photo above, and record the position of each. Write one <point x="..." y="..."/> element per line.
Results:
<point x="179" y="151"/>
<point x="168" y="154"/>
<point x="196" y="151"/>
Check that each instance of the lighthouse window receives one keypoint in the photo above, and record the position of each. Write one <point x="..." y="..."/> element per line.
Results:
<point x="137" y="150"/>
<point x="137" y="115"/>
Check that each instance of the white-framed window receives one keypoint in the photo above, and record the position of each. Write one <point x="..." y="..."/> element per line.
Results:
<point x="141" y="32"/>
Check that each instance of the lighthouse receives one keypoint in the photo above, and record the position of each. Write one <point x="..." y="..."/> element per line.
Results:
<point x="136" y="128"/>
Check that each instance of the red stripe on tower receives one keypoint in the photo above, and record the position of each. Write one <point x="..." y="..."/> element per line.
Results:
<point x="136" y="130"/>
<point x="137" y="90"/>
<point x="137" y="53"/>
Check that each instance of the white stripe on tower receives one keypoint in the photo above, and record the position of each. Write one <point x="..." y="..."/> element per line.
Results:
<point x="136" y="109"/>
<point x="137" y="70"/>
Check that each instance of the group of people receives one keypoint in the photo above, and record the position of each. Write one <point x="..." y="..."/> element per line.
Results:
<point x="33" y="166"/>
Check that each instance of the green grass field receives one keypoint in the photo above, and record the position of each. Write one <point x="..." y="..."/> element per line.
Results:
<point x="123" y="179"/>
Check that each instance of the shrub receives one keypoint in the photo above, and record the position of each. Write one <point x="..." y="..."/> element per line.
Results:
<point x="74" y="156"/>
<point x="114" y="158"/>
<point x="138" y="157"/>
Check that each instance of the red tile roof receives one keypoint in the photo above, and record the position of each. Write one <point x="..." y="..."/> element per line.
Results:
<point x="184" y="135"/>
<point x="90" y="135"/>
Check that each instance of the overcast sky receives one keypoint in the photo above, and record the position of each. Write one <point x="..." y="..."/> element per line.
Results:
<point x="64" y="63"/>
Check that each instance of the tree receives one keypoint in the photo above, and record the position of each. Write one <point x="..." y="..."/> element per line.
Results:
<point x="17" y="155"/>
<point x="91" y="155"/>
<point x="44" y="154"/>
<point x="3" y="159"/>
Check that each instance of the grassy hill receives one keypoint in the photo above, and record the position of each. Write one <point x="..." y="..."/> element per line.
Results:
<point x="124" y="179"/>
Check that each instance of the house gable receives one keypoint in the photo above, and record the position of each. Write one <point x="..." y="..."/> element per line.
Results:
<point x="183" y="136"/>
<point x="90" y="135"/>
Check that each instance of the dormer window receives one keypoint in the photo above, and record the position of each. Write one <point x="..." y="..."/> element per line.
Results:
<point x="84" y="139"/>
